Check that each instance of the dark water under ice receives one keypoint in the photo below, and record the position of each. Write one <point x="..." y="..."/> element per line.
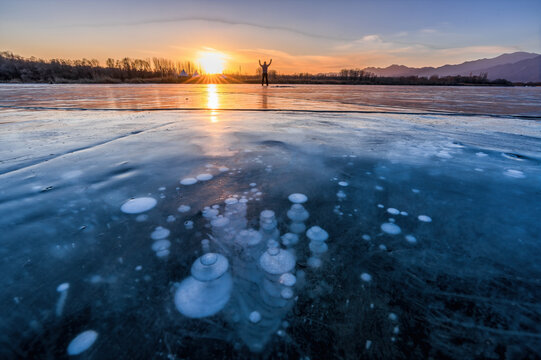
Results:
<point x="465" y="285"/>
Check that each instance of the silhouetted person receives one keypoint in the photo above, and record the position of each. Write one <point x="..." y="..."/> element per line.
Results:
<point x="264" y="74"/>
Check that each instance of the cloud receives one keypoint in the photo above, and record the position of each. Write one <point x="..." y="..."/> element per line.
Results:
<point x="428" y="31"/>
<point x="371" y="38"/>
<point x="216" y="20"/>
<point x="470" y="50"/>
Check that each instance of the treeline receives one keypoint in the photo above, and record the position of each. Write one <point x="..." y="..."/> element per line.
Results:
<point x="360" y="77"/>
<point x="14" y="68"/>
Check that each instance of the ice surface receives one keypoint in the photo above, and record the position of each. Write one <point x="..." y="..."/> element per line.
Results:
<point x="468" y="286"/>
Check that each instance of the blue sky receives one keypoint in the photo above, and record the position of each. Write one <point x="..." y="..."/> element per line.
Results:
<point x="299" y="35"/>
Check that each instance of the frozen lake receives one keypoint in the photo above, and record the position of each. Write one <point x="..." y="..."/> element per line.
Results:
<point x="125" y="209"/>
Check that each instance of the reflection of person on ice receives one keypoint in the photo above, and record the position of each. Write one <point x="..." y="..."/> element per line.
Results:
<point x="264" y="74"/>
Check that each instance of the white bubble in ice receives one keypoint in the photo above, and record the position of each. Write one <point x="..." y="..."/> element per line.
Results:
<point x="188" y="224"/>
<point x="248" y="237"/>
<point x="396" y="330"/>
<point x="204" y="177"/>
<point x="341" y="195"/>
<point x="517" y="174"/>
<point x="160" y="233"/>
<point x="252" y="184"/>
<point x="138" y="205"/>
<point x="314" y="262"/>
<point x="381" y="206"/>
<point x="286" y="293"/>
<point x="170" y="219"/>
<point x="368" y="344"/>
<point x="404" y="213"/>
<point x="220" y="222"/>
<point x="141" y="218"/>
<point x="481" y="154"/>
<point x="161" y="245"/>
<point x="393" y="317"/>
<point x="138" y="268"/>
<point x="288" y="279"/>
<point x="297" y="198"/>
<point x="315" y="233"/>
<point x="366" y="237"/>
<point x="411" y="239"/>
<point x="63" y="287"/>
<point x="416" y="191"/>
<point x="95" y="279"/>
<point x="390" y="228"/>
<point x="382" y="247"/>
<point x="210" y="266"/>
<point x="188" y="181"/>
<point x="343" y="183"/>
<point x="290" y="239"/>
<point x="82" y="342"/>
<point x="162" y="253"/>
<point x="63" y="290"/>
<point x="199" y="297"/>
<point x="366" y="277"/>
<point x="393" y="211"/>
<point x="254" y="317"/>
<point x="378" y="188"/>
<point x="223" y="169"/>
<point x="424" y="218"/>
<point x="183" y="208"/>
<point x="210" y="213"/>
<point x="277" y="261"/>
<point x="161" y="188"/>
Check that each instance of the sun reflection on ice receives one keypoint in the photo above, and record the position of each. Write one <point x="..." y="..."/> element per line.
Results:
<point x="213" y="102"/>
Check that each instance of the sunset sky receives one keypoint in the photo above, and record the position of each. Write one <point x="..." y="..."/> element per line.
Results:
<point x="300" y="36"/>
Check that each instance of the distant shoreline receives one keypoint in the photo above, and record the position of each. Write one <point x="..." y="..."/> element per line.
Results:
<point x="234" y="80"/>
<point x="147" y="82"/>
<point x="17" y="69"/>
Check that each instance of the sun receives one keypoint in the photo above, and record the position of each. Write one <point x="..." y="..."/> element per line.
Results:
<point x="212" y="62"/>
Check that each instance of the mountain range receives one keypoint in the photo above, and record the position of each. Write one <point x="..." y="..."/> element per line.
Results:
<point x="515" y="67"/>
